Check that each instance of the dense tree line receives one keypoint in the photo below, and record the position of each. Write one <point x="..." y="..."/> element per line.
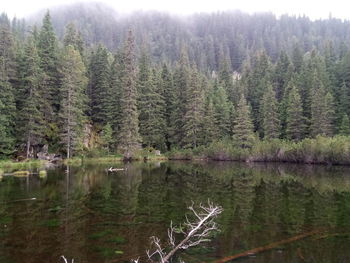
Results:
<point x="74" y="96"/>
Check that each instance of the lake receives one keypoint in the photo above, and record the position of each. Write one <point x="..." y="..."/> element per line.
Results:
<point x="91" y="215"/>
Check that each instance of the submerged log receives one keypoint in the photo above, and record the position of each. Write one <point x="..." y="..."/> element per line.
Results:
<point x="268" y="247"/>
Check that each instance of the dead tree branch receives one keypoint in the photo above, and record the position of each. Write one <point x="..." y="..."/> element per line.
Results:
<point x="196" y="232"/>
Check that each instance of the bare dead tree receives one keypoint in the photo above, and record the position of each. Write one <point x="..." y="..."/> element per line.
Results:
<point x="66" y="260"/>
<point x="196" y="231"/>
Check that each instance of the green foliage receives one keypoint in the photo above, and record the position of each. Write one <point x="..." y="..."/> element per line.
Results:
<point x="101" y="98"/>
<point x="193" y="111"/>
<point x="269" y="114"/>
<point x="73" y="100"/>
<point x="151" y="106"/>
<point x="128" y="136"/>
<point x="107" y="136"/>
<point x="345" y="125"/>
<point x="243" y="130"/>
<point x="31" y="104"/>
<point x="295" y="120"/>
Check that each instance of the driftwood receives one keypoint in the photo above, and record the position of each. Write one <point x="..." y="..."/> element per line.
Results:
<point x="268" y="247"/>
<point x="111" y="169"/>
<point x="196" y="231"/>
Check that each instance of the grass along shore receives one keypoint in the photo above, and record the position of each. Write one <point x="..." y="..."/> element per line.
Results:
<point x="320" y="150"/>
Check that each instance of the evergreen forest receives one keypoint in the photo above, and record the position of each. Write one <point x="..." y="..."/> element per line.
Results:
<point x="84" y="79"/>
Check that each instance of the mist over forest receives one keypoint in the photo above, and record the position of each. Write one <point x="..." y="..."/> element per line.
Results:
<point x="83" y="77"/>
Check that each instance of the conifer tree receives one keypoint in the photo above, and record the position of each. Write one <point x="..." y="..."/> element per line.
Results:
<point x="151" y="105"/>
<point x="100" y="90"/>
<point x="225" y="78"/>
<point x="243" y="133"/>
<point x="282" y="74"/>
<point x="116" y="73"/>
<point x="7" y="51"/>
<point x="128" y="137"/>
<point x="48" y="53"/>
<point x="74" y="38"/>
<point x="210" y="131"/>
<point x="193" y="111"/>
<point x="270" y="121"/>
<point x="30" y="121"/>
<point x="329" y="116"/>
<point x="322" y="111"/>
<point x="169" y="101"/>
<point x="73" y="100"/>
<point x="344" y="128"/>
<point x="295" y="121"/>
<point x="7" y="112"/>
<point x="223" y="111"/>
<point x="107" y="136"/>
<point x="181" y="81"/>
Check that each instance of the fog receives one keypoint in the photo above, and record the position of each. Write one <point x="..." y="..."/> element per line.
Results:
<point x="314" y="9"/>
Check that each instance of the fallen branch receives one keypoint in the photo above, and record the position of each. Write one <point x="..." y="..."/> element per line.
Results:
<point x="268" y="247"/>
<point x="196" y="232"/>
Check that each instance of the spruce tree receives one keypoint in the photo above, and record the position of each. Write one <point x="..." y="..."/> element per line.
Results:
<point x="151" y="105"/>
<point x="128" y="136"/>
<point x="344" y="128"/>
<point x="243" y="133"/>
<point x="30" y="121"/>
<point x="107" y="136"/>
<point x="225" y="78"/>
<point x="181" y="81"/>
<point x="7" y="112"/>
<point x="328" y="123"/>
<point x="322" y="111"/>
<point x="193" y="111"/>
<point x="295" y="122"/>
<point x="210" y="131"/>
<point x="73" y="100"/>
<point x="169" y="100"/>
<point x="223" y="112"/>
<point x="116" y="73"/>
<point x="269" y="112"/>
<point x="74" y="38"/>
<point x="48" y="53"/>
<point x="100" y="90"/>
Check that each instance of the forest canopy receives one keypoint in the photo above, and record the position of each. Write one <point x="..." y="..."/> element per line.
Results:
<point x="83" y="77"/>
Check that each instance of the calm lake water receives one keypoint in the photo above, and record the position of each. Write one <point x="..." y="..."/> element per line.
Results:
<point x="91" y="215"/>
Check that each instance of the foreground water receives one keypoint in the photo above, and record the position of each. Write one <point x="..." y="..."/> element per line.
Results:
<point x="91" y="215"/>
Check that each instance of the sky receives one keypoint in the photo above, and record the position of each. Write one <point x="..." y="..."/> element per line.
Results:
<point x="314" y="9"/>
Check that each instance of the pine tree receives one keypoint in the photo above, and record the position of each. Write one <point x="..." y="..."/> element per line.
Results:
<point x="100" y="90"/>
<point x="151" y="105"/>
<point x="269" y="112"/>
<point x="128" y="137"/>
<point x="282" y="74"/>
<point x="243" y="133"/>
<point x="107" y="136"/>
<point x="295" y="121"/>
<point x="74" y="38"/>
<point x="30" y="122"/>
<point x="169" y="100"/>
<point x="344" y="128"/>
<point x="48" y="53"/>
<point x="329" y="116"/>
<point x="223" y="112"/>
<point x="181" y="81"/>
<point x="225" y="78"/>
<point x="210" y="131"/>
<point x="322" y="111"/>
<point x="73" y="100"/>
<point x="193" y="111"/>
<point x="7" y="112"/>
<point x="116" y="74"/>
